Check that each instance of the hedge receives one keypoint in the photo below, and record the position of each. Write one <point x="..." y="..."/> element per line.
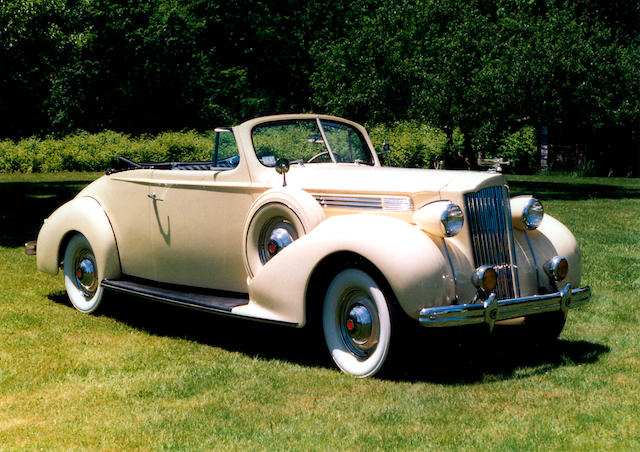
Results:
<point x="412" y="145"/>
<point x="93" y="152"/>
<point x="417" y="145"/>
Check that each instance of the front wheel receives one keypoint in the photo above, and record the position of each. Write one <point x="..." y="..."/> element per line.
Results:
<point x="81" y="275"/>
<point x="357" y="323"/>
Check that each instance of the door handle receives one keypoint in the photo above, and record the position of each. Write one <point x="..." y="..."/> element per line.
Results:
<point x="155" y="197"/>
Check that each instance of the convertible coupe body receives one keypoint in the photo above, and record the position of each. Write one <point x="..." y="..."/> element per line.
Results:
<point x="295" y="213"/>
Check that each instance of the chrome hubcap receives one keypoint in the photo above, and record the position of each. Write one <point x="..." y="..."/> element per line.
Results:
<point x="276" y="235"/>
<point x="359" y="323"/>
<point x="85" y="273"/>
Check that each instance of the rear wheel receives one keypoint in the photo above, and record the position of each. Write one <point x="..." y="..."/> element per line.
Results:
<point x="357" y="323"/>
<point x="81" y="275"/>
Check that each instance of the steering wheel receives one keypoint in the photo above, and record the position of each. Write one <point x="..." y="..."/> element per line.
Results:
<point x="320" y="154"/>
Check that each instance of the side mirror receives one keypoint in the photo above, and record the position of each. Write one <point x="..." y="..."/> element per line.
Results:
<point x="282" y="167"/>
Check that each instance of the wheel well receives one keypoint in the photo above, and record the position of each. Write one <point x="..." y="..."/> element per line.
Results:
<point x="329" y="267"/>
<point x="63" y="245"/>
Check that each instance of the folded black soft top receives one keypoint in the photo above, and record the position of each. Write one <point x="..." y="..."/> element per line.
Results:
<point x="125" y="164"/>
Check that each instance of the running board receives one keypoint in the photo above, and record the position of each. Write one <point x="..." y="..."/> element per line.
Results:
<point x="207" y="300"/>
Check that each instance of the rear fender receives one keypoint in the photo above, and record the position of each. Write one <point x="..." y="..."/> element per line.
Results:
<point x="410" y="261"/>
<point x="86" y="216"/>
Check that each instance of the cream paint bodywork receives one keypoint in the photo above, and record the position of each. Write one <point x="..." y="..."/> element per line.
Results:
<point x="189" y="234"/>
<point x="413" y="262"/>
<point x="408" y="258"/>
<point x="192" y="233"/>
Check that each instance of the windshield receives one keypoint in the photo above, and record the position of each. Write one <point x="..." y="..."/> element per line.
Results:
<point x="310" y="141"/>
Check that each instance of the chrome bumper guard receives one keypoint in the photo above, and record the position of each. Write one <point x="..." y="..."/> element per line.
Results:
<point x="491" y="310"/>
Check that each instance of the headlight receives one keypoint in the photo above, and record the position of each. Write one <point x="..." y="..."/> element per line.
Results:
<point x="441" y="218"/>
<point x="527" y="212"/>
<point x="452" y="220"/>
<point x="532" y="214"/>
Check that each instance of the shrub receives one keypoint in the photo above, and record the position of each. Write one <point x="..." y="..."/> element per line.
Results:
<point x="521" y="149"/>
<point x="93" y="152"/>
<point x="413" y="144"/>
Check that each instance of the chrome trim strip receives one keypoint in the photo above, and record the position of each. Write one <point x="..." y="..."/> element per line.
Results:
<point x="506" y="202"/>
<point x="453" y="271"/>
<point x="387" y="203"/>
<point x="492" y="310"/>
<point x="349" y="202"/>
<point x="535" y="263"/>
<point x="398" y="204"/>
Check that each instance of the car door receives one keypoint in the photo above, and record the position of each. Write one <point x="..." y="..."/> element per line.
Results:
<point x="195" y="221"/>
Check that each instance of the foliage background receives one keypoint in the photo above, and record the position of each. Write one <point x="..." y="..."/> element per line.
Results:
<point x="479" y="69"/>
<point x="93" y="152"/>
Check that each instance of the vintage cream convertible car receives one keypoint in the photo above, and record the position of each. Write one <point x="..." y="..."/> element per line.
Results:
<point x="294" y="214"/>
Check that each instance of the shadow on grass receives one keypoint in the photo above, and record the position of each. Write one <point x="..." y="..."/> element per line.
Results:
<point x="571" y="191"/>
<point x="253" y="338"/>
<point x="472" y="355"/>
<point x="444" y="356"/>
<point x="26" y="204"/>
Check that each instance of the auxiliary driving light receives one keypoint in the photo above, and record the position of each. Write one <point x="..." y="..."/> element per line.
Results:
<point x="557" y="268"/>
<point x="485" y="278"/>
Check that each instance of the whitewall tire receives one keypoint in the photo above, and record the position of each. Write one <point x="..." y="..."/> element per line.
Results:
<point x="81" y="278"/>
<point x="357" y="323"/>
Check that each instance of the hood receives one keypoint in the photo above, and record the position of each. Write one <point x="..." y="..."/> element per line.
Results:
<point x="331" y="178"/>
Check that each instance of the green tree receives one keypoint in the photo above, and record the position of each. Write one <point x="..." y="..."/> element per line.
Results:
<point x="486" y="68"/>
<point x="34" y="40"/>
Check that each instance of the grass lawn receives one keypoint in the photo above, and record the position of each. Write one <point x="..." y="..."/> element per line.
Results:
<point x="144" y="376"/>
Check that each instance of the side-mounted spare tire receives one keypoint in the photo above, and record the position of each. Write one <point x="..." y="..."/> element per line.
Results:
<point x="276" y="219"/>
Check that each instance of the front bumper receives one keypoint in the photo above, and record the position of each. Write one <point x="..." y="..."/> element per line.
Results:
<point x="491" y="310"/>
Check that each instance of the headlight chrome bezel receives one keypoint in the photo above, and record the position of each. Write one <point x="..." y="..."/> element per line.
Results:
<point x="440" y="218"/>
<point x="452" y="220"/>
<point x="532" y="214"/>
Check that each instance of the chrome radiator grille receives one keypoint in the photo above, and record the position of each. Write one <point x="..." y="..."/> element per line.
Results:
<point x="489" y="217"/>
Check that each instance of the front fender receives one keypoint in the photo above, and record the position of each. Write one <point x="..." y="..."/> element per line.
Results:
<point x="86" y="216"/>
<point x="411" y="262"/>
<point x="550" y="239"/>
